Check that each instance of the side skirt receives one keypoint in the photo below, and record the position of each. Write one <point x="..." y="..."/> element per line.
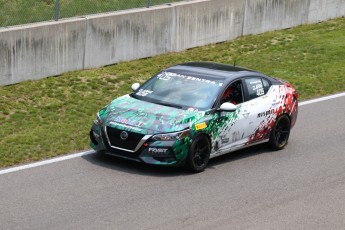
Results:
<point x="235" y="148"/>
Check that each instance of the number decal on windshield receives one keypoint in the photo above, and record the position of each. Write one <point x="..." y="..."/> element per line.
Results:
<point x="144" y="92"/>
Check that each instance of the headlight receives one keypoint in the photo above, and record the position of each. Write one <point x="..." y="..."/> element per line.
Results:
<point x="98" y="121"/>
<point x="171" y="136"/>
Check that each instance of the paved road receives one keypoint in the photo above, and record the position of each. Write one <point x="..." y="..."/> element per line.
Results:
<point x="300" y="187"/>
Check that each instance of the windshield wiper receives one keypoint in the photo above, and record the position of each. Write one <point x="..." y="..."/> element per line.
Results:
<point x="169" y="104"/>
<point x="134" y="96"/>
<point x="154" y="101"/>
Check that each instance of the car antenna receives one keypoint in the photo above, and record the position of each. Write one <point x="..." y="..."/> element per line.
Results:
<point x="235" y="61"/>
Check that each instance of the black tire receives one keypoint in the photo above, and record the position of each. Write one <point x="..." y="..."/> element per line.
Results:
<point x="199" y="154"/>
<point x="280" y="132"/>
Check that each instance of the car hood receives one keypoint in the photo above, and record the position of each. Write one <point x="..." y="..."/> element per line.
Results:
<point x="134" y="115"/>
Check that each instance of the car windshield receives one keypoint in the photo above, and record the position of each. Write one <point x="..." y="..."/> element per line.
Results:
<point x="181" y="91"/>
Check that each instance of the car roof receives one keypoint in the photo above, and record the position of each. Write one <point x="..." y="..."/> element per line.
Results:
<point x="216" y="66"/>
<point x="211" y="70"/>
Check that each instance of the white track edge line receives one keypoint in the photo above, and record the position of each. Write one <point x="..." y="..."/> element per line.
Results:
<point x="321" y="99"/>
<point x="88" y="152"/>
<point x="45" y="162"/>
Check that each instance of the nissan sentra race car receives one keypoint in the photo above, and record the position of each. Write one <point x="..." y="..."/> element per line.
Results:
<point x="191" y="112"/>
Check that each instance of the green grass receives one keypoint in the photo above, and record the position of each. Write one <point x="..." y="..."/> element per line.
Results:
<point x="15" y="12"/>
<point x="49" y="117"/>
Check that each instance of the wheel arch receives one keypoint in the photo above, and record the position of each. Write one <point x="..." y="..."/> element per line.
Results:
<point x="197" y="161"/>
<point x="204" y="134"/>
<point x="288" y="115"/>
<point x="273" y="141"/>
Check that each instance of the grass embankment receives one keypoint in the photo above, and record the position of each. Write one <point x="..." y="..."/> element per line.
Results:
<point x="28" y="11"/>
<point x="50" y="117"/>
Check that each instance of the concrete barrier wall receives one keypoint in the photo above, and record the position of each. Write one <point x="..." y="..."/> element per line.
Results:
<point x="47" y="49"/>
<point x="52" y="48"/>
<point x="207" y="22"/>
<point x="266" y="15"/>
<point x="129" y="35"/>
<point x="321" y="10"/>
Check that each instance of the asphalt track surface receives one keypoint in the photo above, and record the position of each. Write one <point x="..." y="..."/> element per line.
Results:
<point x="300" y="187"/>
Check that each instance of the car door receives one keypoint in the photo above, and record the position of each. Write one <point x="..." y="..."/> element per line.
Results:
<point x="232" y="124"/>
<point x="259" y="109"/>
<point x="244" y="126"/>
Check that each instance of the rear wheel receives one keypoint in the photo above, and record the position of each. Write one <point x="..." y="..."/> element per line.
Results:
<point x="280" y="132"/>
<point x="199" y="154"/>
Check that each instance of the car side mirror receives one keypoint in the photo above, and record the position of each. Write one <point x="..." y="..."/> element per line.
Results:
<point x="135" y="86"/>
<point x="228" y="107"/>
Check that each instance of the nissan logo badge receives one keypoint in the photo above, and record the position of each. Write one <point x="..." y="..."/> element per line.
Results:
<point x="123" y="135"/>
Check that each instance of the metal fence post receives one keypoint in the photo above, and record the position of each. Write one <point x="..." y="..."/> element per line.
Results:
<point x="57" y="9"/>
<point x="148" y="3"/>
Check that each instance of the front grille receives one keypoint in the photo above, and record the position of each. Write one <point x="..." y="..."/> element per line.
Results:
<point x="130" y="143"/>
<point x="121" y="153"/>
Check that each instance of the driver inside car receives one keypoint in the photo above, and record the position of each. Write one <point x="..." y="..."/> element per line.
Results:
<point x="228" y="95"/>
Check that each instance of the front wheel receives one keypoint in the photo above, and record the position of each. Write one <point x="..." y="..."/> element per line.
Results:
<point x="199" y="154"/>
<point x="280" y="132"/>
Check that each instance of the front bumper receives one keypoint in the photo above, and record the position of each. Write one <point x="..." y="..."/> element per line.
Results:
<point x="169" y="153"/>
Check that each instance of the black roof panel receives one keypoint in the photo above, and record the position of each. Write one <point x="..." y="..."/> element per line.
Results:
<point x="210" y="70"/>
<point x="216" y="66"/>
<point x="216" y="71"/>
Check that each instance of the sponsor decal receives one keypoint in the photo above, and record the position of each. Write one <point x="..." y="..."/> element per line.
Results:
<point x="168" y="75"/>
<point x="164" y="76"/>
<point x="129" y="122"/>
<point x="263" y="114"/>
<point x="158" y="151"/>
<point x="258" y="87"/>
<point x="255" y="82"/>
<point x="260" y="92"/>
<point x="201" y="125"/>
<point x="224" y="139"/>
<point x="143" y="92"/>
<point x="125" y="126"/>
